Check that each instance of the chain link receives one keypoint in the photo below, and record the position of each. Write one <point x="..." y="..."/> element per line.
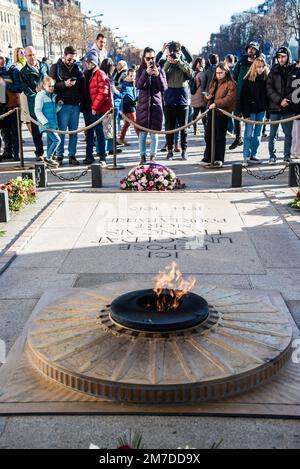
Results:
<point x="297" y="174"/>
<point x="38" y="172"/>
<point x="264" y="177"/>
<point x="72" y="179"/>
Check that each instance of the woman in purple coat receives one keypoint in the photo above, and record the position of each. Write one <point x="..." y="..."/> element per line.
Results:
<point x="152" y="83"/>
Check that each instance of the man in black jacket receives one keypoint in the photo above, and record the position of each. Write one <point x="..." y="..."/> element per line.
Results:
<point x="280" y="88"/>
<point x="69" y="89"/>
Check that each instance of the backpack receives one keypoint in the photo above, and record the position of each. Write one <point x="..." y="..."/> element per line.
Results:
<point x="193" y="85"/>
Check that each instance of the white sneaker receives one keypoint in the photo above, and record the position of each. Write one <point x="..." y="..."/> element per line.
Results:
<point x="272" y="161"/>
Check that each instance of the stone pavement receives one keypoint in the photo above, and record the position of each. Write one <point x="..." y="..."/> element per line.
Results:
<point x="243" y="239"/>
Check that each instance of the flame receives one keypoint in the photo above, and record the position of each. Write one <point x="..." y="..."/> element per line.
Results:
<point x="170" y="287"/>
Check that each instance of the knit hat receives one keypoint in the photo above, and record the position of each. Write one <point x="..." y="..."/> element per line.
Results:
<point x="282" y="51"/>
<point x="254" y="45"/>
<point x="92" y="56"/>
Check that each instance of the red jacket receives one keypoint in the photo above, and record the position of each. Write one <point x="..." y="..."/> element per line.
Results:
<point x="100" y="92"/>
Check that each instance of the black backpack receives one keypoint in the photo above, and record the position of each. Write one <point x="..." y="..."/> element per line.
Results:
<point x="193" y="85"/>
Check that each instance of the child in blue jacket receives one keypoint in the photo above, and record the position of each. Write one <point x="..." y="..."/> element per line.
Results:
<point x="129" y="93"/>
<point x="46" y="110"/>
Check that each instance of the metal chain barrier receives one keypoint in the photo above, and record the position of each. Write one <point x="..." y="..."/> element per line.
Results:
<point x="71" y="179"/>
<point x="297" y="174"/>
<point x="164" y="132"/>
<point x="259" y="177"/>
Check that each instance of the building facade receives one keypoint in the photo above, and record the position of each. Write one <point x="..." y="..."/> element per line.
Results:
<point x="10" y="32"/>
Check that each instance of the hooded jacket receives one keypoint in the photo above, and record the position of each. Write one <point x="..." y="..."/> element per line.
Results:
<point x="280" y="85"/>
<point x="46" y="109"/>
<point x="150" y="106"/>
<point x="129" y="95"/>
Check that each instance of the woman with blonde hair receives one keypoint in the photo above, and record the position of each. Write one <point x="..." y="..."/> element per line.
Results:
<point x="254" y="104"/>
<point x="19" y="62"/>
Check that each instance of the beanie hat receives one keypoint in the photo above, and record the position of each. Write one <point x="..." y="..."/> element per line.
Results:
<point x="92" y="56"/>
<point x="254" y="45"/>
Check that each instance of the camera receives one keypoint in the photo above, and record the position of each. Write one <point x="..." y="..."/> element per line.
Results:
<point x="174" y="55"/>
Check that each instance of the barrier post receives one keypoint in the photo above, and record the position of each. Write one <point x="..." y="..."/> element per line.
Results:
<point x="97" y="181"/>
<point x="40" y="175"/>
<point x="115" y="165"/>
<point x="237" y="175"/>
<point x="294" y="174"/>
<point x="213" y="137"/>
<point x="28" y="175"/>
<point x="4" y="207"/>
<point x="19" y="129"/>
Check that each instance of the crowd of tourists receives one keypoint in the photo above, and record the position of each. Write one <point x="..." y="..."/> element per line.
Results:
<point x="167" y="90"/>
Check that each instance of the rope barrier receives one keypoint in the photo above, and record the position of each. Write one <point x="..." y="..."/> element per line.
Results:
<point x="70" y="132"/>
<point x="164" y="132"/>
<point x="249" y="121"/>
<point x="8" y="113"/>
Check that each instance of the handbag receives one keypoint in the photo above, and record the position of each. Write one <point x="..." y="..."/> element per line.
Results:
<point x="108" y="126"/>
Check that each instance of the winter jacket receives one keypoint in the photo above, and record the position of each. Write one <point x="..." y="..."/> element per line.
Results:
<point x="197" y="99"/>
<point x="97" y="91"/>
<point x="240" y="71"/>
<point x="224" y="95"/>
<point x="254" y="96"/>
<point x="61" y="73"/>
<point x="129" y="95"/>
<point x="178" y="76"/>
<point x="150" y="106"/>
<point x="46" y="109"/>
<point x="280" y="85"/>
<point x="13" y="86"/>
<point x="30" y="80"/>
<point x="207" y="78"/>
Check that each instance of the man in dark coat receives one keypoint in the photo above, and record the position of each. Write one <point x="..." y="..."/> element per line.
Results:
<point x="31" y="76"/>
<point x="69" y="89"/>
<point x="239" y="73"/>
<point x="280" y="87"/>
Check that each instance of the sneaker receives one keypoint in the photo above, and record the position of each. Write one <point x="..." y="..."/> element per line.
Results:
<point x="143" y="159"/>
<point x="124" y="142"/>
<point x="272" y="161"/>
<point x="177" y="149"/>
<point x="218" y="164"/>
<point x="60" y="161"/>
<point x="235" y="144"/>
<point x="184" y="156"/>
<point x="287" y="160"/>
<point x="103" y="163"/>
<point x="164" y="149"/>
<point x="88" y="161"/>
<point x="170" y="155"/>
<point x="255" y="160"/>
<point x="40" y="158"/>
<point x="120" y="143"/>
<point x="245" y="164"/>
<point x="51" y="163"/>
<point x="73" y="161"/>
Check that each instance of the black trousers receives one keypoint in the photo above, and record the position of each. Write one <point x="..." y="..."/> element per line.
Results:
<point x="37" y="140"/>
<point x="9" y="133"/>
<point x="237" y="124"/>
<point x="174" y="115"/>
<point x="196" y="112"/>
<point x="220" y="137"/>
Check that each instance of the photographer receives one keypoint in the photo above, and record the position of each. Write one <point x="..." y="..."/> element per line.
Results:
<point x="178" y="73"/>
<point x="69" y="89"/>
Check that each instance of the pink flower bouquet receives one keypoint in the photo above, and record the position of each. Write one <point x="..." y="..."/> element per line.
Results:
<point x="150" y="178"/>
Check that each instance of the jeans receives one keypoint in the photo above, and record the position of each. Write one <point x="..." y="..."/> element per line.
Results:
<point x="174" y="115"/>
<point x="287" y="129"/>
<point x="90" y="119"/>
<point x="143" y="144"/>
<point x="37" y="140"/>
<point x="53" y="142"/>
<point x="252" y="137"/>
<point x="68" y="119"/>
